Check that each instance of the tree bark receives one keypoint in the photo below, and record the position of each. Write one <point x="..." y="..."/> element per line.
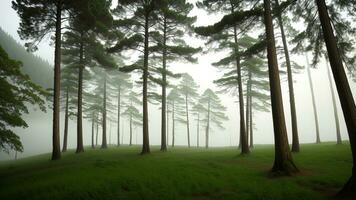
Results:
<point x="336" y="116"/>
<point x="97" y="134"/>
<point x="80" y="147"/>
<point x="65" y="138"/>
<point x="131" y="127"/>
<point x="283" y="163"/>
<point x="92" y="133"/>
<point x="248" y="109"/>
<point x="251" y="124"/>
<point x="187" y="115"/>
<point x="164" y="78"/>
<point x="118" y="115"/>
<point x="313" y="101"/>
<point x="104" y="143"/>
<point x="295" y="135"/>
<point x="56" y="146"/>
<point x="145" y="142"/>
<point x="167" y="114"/>
<point x="173" y="124"/>
<point x="344" y="91"/>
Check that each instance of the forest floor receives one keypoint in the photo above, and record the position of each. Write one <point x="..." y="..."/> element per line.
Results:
<point x="180" y="173"/>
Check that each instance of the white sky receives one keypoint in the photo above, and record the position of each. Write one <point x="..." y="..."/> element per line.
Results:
<point x="37" y="138"/>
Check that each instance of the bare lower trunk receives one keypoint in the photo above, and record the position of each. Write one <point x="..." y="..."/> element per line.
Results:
<point x="344" y="91"/>
<point x="130" y="130"/>
<point x="283" y="163"/>
<point x="313" y="101"/>
<point x="295" y="136"/>
<point x="198" y="126"/>
<point x="65" y="138"/>
<point x="251" y="124"/>
<point x="167" y="114"/>
<point x="164" y="78"/>
<point x="336" y="116"/>
<point x="97" y="134"/>
<point x="80" y="147"/>
<point x="248" y="108"/>
<point x="173" y="125"/>
<point x="187" y="115"/>
<point x="145" y="141"/>
<point x="104" y="143"/>
<point x="118" y="115"/>
<point x="92" y="133"/>
<point x="56" y="146"/>
<point x="207" y="127"/>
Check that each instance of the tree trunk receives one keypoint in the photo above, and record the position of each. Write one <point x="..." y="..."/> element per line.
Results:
<point x="118" y="115"/>
<point x="145" y="142"/>
<point x="251" y="124"/>
<point x="97" y="134"/>
<point x="207" y="127"/>
<point x="131" y="127"/>
<point x="65" y="138"/>
<point x="243" y="137"/>
<point x="295" y="135"/>
<point x="56" y="146"/>
<point x="92" y="133"/>
<point x="173" y="124"/>
<point x="187" y="115"/>
<point x="344" y="91"/>
<point x="198" y="126"/>
<point x="80" y="147"/>
<point x="167" y="114"/>
<point x="313" y="101"/>
<point x="336" y="116"/>
<point x="104" y="143"/>
<point x="248" y="109"/>
<point x="283" y="163"/>
<point x="164" y="78"/>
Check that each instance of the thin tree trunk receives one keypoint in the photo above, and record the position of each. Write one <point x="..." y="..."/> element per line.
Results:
<point x="336" y="116"/>
<point x="56" y="146"/>
<point x="97" y="133"/>
<point x="251" y="124"/>
<point x="243" y="137"/>
<point x="283" y="163"/>
<point x="164" y="78"/>
<point x="187" y="115"/>
<point x="248" y="109"/>
<point x="207" y="127"/>
<point x="80" y="147"/>
<point x="295" y="135"/>
<point x="344" y="91"/>
<point x="118" y="115"/>
<point x="173" y="124"/>
<point x="131" y="127"/>
<point x="104" y="143"/>
<point x="198" y="126"/>
<point x="167" y="114"/>
<point x="65" y="138"/>
<point x="92" y="133"/>
<point x="145" y="141"/>
<point x="313" y="101"/>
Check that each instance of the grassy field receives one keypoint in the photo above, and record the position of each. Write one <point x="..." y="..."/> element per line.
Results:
<point x="180" y="173"/>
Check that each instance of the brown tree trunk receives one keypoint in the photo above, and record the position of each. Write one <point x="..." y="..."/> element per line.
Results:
<point x="336" y="116"/>
<point x="295" y="135"/>
<point x="104" y="143"/>
<point x="313" y="101"/>
<point x="56" y="146"/>
<point x="164" y="78"/>
<point x="187" y="115"/>
<point x="65" y="138"/>
<point x="173" y="124"/>
<point x="145" y="142"/>
<point x="248" y="109"/>
<point x="344" y="91"/>
<point x="251" y="124"/>
<point x="118" y="115"/>
<point x="283" y="163"/>
<point x="80" y="147"/>
<point x="97" y="134"/>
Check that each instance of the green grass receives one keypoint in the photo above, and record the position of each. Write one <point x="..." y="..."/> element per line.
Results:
<point x="180" y="173"/>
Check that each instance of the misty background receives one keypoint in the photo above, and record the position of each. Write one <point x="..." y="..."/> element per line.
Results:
<point x="38" y="137"/>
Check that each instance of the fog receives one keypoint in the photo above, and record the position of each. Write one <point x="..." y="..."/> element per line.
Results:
<point x="37" y="138"/>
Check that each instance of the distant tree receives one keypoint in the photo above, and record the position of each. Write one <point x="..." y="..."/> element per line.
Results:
<point x="198" y="110"/>
<point x="132" y="113"/>
<point x="17" y="92"/>
<point x="188" y="88"/>
<point x="176" y="105"/>
<point x="214" y="112"/>
<point x="172" y="25"/>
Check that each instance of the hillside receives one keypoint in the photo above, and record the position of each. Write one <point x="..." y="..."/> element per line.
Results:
<point x="180" y="173"/>
<point x="40" y="71"/>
